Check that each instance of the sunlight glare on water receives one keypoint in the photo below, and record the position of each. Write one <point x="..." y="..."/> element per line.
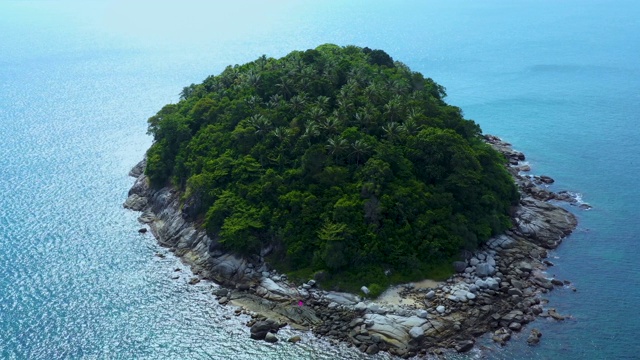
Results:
<point x="78" y="80"/>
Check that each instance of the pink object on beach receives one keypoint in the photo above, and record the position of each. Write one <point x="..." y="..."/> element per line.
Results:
<point x="300" y="303"/>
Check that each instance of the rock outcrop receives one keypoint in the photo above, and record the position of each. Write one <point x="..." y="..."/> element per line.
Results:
<point x="493" y="290"/>
<point x="534" y="337"/>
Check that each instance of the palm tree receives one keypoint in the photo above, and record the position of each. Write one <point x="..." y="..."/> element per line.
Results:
<point x="187" y="91"/>
<point x="345" y="105"/>
<point x="316" y="114"/>
<point x="410" y="125"/>
<point x="229" y="75"/>
<point x="253" y="101"/>
<point x="360" y="149"/>
<point x="285" y="86"/>
<point x="308" y="70"/>
<point x="341" y="113"/>
<point x="337" y="145"/>
<point x="347" y="90"/>
<point x="361" y="118"/>
<point x="260" y="123"/>
<point x="323" y="102"/>
<point x="330" y="124"/>
<point x="298" y="102"/>
<point x="295" y="62"/>
<point x="392" y="130"/>
<point x="372" y="92"/>
<point x="393" y="108"/>
<point x="261" y="62"/>
<point x="359" y="76"/>
<point x="397" y="87"/>
<point x="274" y="101"/>
<point x="310" y="131"/>
<point x="330" y="73"/>
<point x="364" y="118"/>
<point x="252" y="79"/>
<point x="281" y="133"/>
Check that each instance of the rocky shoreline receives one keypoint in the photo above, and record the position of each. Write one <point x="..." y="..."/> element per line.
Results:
<point x="495" y="290"/>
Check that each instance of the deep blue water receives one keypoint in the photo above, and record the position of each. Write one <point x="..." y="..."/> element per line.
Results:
<point x="560" y="80"/>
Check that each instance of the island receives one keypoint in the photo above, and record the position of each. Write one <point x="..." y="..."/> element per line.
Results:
<point x="308" y="185"/>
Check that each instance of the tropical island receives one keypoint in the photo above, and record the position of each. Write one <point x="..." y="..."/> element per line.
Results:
<point x="339" y="159"/>
<point x="330" y="174"/>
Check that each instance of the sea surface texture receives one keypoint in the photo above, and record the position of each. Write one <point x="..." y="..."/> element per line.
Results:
<point x="78" y="80"/>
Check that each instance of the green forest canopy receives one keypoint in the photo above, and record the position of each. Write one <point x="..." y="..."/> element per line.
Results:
<point x="339" y="158"/>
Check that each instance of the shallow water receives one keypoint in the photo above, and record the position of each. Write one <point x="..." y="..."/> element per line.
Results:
<point x="78" y="81"/>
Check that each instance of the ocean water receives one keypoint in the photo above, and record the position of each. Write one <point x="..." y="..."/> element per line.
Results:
<point x="558" y="79"/>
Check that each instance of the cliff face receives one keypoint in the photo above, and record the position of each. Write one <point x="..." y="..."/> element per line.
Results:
<point x="496" y="289"/>
<point x="161" y="212"/>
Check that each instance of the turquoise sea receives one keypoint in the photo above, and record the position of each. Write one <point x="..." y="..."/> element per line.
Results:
<point x="78" y="79"/>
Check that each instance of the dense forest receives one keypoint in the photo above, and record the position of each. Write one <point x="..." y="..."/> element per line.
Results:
<point x="341" y="160"/>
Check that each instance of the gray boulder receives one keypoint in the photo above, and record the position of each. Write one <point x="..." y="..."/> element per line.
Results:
<point x="416" y="332"/>
<point x="459" y="266"/>
<point x="356" y="322"/>
<point x="484" y="270"/>
<point x="491" y="261"/>
<point x="273" y="291"/>
<point x="373" y="308"/>
<point x="135" y="202"/>
<point x="260" y="329"/>
<point x="525" y="266"/>
<point x="342" y="298"/>
<point x="270" y="337"/>
<point x="294" y="339"/>
<point x="464" y="346"/>
<point x="360" y="306"/>
<point x="138" y="169"/>
<point x="514" y="291"/>
<point x="228" y="268"/>
<point x="140" y="186"/>
<point x="517" y="284"/>
<point x="515" y="326"/>
<point x="500" y="242"/>
<point x="392" y="328"/>
<point x="534" y="337"/>
<point x="501" y="338"/>
<point x="372" y="349"/>
<point x="481" y="284"/>
<point x="492" y="283"/>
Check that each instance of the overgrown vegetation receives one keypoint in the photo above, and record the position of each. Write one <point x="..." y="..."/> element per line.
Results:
<point x="339" y="158"/>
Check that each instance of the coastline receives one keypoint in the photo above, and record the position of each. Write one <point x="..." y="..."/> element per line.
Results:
<point x="497" y="289"/>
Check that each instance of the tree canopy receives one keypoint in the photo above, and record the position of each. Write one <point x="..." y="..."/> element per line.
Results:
<point x="339" y="158"/>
